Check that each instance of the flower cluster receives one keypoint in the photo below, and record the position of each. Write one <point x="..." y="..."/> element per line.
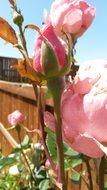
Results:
<point x="66" y="21"/>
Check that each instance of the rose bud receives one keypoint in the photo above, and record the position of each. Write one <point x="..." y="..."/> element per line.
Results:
<point x="50" y="55"/>
<point x="16" y="117"/>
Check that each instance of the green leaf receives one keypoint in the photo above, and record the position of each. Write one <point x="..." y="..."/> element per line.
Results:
<point x="7" y="161"/>
<point x="71" y="162"/>
<point x="51" y="143"/>
<point x="44" y="184"/>
<point x="68" y="151"/>
<point x="75" y="177"/>
<point x="76" y="162"/>
<point x="71" y="157"/>
<point x="17" y="151"/>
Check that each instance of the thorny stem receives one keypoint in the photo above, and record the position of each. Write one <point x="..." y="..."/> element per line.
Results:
<point x="55" y="86"/>
<point x="42" y="127"/>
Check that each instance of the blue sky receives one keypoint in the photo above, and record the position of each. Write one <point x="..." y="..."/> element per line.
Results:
<point x="92" y="45"/>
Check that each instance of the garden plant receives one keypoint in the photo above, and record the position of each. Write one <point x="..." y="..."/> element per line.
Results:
<point x="72" y="138"/>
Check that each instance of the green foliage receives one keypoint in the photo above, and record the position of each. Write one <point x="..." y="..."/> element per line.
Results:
<point x="8" y="182"/>
<point x="37" y="177"/>
<point x="5" y="161"/>
<point x="30" y="174"/>
<point x="51" y="143"/>
<point x="71" y="157"/>
<point x="105" y="185"/>
<point x="75" y="177"/>
<point x="44" y="185"/>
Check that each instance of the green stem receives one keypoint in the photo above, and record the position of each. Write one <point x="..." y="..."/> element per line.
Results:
<point x="42" y="127"/>
<point x="55" y="86"/>
<point x="101" y="173"/>
<point x="22" y="38"/>
<point x="26" y="159"/>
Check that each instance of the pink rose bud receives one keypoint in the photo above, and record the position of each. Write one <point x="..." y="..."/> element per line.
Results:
<point x="50" y="54"/>
<point x="71" y="16"/>
<point x="48" y="167"/>
<point x="16" y="117"/>
<point x="47" y="164"/>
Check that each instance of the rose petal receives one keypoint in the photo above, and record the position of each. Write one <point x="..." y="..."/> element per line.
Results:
<point x="89" y="146"/>
<point x="49" y="120"/>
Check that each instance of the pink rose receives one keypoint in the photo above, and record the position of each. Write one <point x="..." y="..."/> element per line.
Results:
<point x="16" y="117"/>
<point x="89" y="73"/>
<point x="71" y="16"/>
<point x="49" y="55"/>
<point x="84" y="111"/>
<point x="84" y="120"/>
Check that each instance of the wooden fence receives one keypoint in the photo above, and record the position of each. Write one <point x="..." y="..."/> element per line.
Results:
<point x="15" y="96"/>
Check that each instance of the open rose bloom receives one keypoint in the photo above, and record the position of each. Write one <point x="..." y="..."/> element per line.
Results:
<point x="71" y="16"/>
<point x="84" y="110"/>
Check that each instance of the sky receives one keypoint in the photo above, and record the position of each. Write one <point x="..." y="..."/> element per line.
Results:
<point x="92" y="45"/>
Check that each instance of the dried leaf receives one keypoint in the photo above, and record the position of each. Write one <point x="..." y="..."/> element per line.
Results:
<point x="33" y="27"/>
<point x="7" y="32"/>
<point x="26" y="70"/>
